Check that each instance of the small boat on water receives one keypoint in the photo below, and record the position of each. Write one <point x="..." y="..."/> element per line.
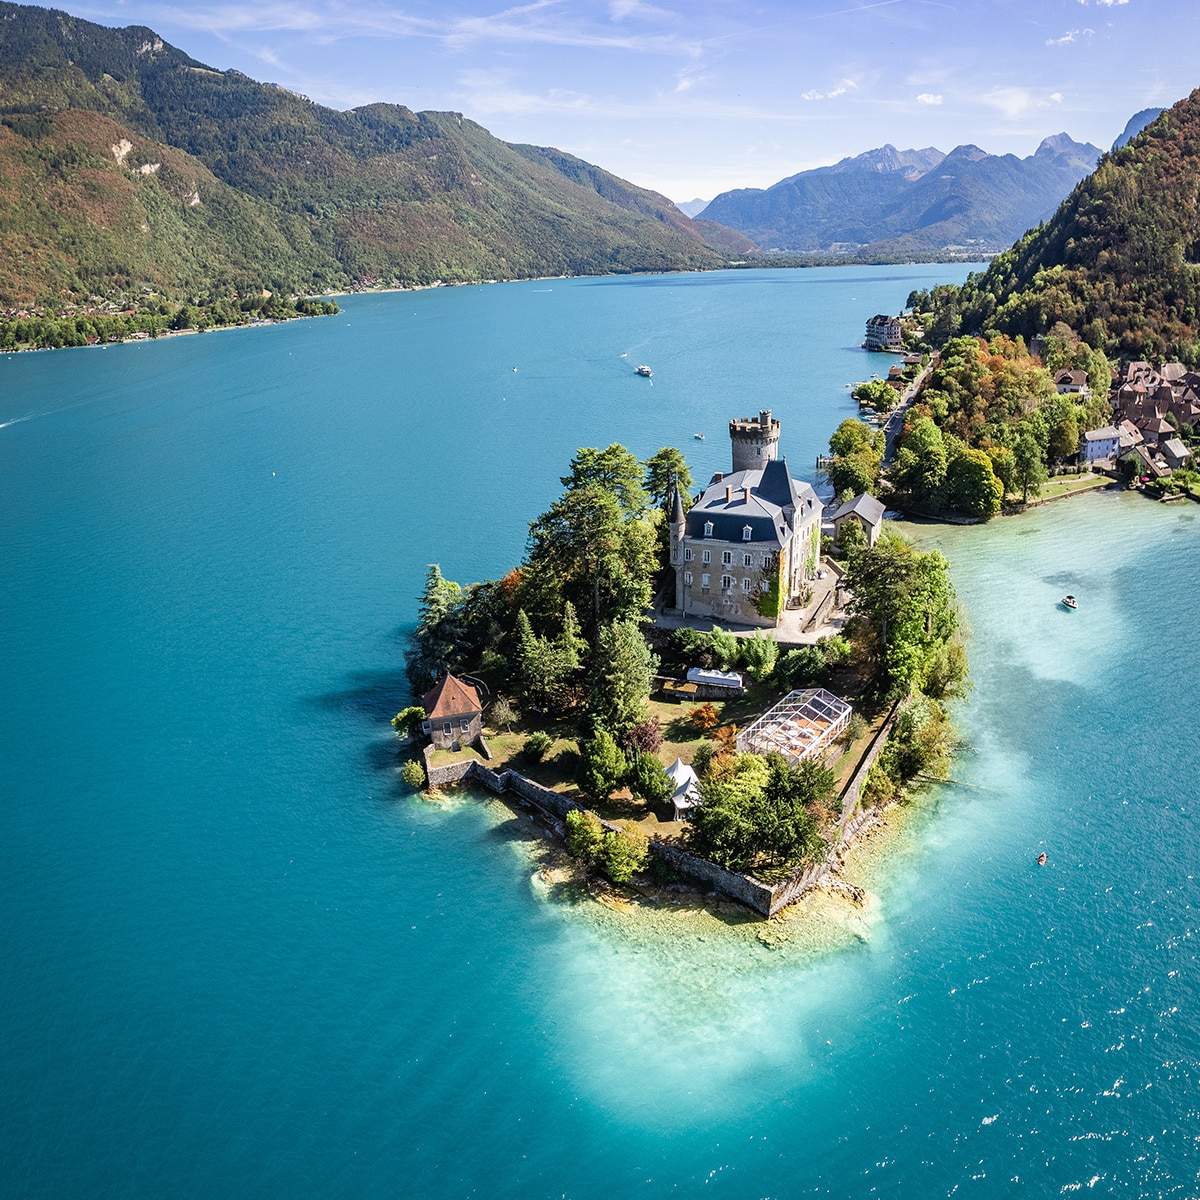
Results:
<point x="645" y="370"/>
<point x="1042" y="859"/>
<point x="698" y="436"/>
<point x="1069" y="602"/>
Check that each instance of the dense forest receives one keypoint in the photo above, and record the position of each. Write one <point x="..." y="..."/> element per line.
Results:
<point x="1119" y="263"/>
<point x="125" y="164"/>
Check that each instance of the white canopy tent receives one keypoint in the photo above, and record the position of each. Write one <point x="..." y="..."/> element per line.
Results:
<point x="687" y="788"/>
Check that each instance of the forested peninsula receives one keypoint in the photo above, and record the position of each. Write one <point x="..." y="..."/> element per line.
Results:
<point x="570" y="673"/>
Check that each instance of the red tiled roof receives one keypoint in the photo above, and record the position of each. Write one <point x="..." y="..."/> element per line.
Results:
<point x="450" y="697"/>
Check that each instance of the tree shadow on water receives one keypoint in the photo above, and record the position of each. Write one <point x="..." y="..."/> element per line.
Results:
<point x="376" y="696"/>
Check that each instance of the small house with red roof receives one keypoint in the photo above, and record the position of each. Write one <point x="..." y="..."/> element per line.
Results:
<point x="453" y="714"/>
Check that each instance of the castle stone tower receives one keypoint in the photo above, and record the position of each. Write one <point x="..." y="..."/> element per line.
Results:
<point x="755" y="441"/>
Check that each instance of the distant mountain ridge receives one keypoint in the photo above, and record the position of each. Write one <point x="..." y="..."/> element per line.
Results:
<point x="909" y="201"/>
<point x="126" y="164"/>
<point x="1134" y="126"/>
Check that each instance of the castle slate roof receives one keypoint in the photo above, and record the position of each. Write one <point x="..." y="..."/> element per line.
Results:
<point x="1107" y="433"/>
<point x="772" y="492"/>
<point x="450" y="697"/>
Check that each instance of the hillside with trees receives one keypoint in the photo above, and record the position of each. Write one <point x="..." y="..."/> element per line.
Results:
<point x="125" y="165"/>
<point x="1118" y="263"/>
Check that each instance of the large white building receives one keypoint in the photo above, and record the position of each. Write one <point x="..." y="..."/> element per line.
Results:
<point x="751" y="541"/>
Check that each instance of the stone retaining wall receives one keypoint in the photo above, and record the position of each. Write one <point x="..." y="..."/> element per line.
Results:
<point x="762" y="898"/>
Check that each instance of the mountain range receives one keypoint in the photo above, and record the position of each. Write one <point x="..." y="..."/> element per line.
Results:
<point x="127" y="165"/>
<point x="918" y="202"/>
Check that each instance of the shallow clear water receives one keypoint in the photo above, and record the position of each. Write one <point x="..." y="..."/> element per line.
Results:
<point x="239" y="961"/>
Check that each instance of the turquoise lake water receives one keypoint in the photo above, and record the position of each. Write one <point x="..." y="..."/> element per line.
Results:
<point x="240" y="961"/>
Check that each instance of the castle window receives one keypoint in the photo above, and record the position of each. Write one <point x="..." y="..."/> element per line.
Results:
<point x="687" y="578"/>
<point x="726" y="582"/>
<point x="765" y="586"/>
<point x="687" y="554"/>
<point x="447" y="728"/>
<point x="747" y="533"/>
<point x="704" y="581"/>
<point x="466" y="724"/>
<point x="747" y="560"/>
<point x="727" y="558"/>
<point x="708" y="528"/>
<point x="706" y="556"/>
<point x="746" y="584"/>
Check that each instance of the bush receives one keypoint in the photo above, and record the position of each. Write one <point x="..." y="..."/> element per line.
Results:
<point x="703" y="757"/>
<point x="691" y="644"/>
<point x="645" y="735"/>
<point x="760" y="654"/>
<point x="585" y="834"/>
<point x="724" y="648"/>
<point x="622" y="854"/>
<point x="407" y="722"/>
<point x="800" y="667"/>
<point x="855" y="729"/>
<point x="648" y="778"/>
<point x="705" y="717"/>
<point x="834" y="650"/>
<point x="413" y="775"/>
<point x="537" y="745"/>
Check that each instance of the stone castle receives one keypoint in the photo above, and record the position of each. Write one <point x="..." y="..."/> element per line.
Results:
<point x="749" y="544"/>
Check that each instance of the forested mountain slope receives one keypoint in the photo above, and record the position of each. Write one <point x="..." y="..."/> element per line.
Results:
<point x="1119" y="262"/>
<point x="125" y="163"/>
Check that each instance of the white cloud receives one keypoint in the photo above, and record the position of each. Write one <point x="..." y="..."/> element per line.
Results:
<point x="846" y="85"/>
<point x="1070" y="36"/>
<point x="1103" y="3"/>
<point x="929" y="98"/>
<point x="1056" y="97"/>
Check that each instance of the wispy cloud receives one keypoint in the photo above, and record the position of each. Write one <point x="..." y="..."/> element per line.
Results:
<point x="541" y="22"/>
<point x="846" y="85"/>
<point x="1017" y="101"/>
<point x="1104" y="3"/>
<point x="1072" y="35"/>
<point x="929" y="98"/>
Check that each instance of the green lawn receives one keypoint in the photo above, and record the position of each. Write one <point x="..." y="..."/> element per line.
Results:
<point x="1064" y="485"/>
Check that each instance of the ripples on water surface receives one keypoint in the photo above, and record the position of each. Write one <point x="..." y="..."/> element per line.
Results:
<point x="239" y="962"/>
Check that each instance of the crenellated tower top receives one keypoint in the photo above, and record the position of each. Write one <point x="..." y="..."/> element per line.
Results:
<point x="755" y="440"/>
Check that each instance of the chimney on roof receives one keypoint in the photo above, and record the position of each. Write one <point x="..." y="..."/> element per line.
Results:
<point x="718" y="477"/>
<point x="745" y="495"/>
<point x="728" y="494"/>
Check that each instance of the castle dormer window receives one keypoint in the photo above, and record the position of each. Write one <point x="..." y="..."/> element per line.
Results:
<point x="747" y="533"/>
<point x="708" y="528"/>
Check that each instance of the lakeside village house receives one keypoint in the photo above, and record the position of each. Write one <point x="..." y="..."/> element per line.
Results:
<point x="1142" y="399"/>
<point x="745" y="530"/>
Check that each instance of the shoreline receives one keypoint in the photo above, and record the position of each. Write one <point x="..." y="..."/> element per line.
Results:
<point x="166" y="333"/>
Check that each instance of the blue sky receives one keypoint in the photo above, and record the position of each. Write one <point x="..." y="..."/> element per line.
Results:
<point x="694" y="98"/>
